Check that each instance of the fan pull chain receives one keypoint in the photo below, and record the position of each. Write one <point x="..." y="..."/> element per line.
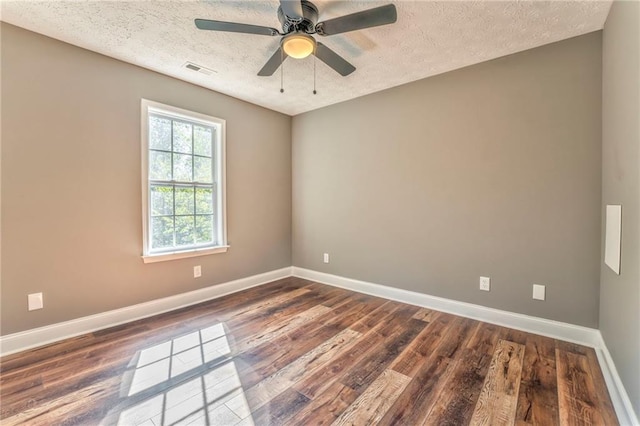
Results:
<point x="281" y="70"/>
<point x="314" y="74"/>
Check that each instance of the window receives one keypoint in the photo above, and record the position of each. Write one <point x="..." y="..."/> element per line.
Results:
<point x="183" y="171"/>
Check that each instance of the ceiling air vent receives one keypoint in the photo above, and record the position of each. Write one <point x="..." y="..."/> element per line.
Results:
<point x="198" y="68"/>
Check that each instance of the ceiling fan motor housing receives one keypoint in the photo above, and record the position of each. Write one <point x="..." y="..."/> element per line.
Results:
<point x="306" y="24"/>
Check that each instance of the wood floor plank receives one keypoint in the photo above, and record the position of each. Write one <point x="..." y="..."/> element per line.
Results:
<point x="538" y="397"/>
<point x="279" y="329"/>
<point x="281" y="408"/>
<point x="63" y="407"/>
<point x="577" y="396"/>
<point x="370" y="342"/>
<point x="22" y="386"/>
<point x="455" y="344"/>
<point x="340" y="296"/>
<point x="13" y="404"/>
<point x="355" y="313"/>
<point x="415" y="354"/>
<point x="485" y="338"/>
<point x="432" y="378"/>
<point x="326" y="407"/>
<point x="320" y="380"/>
<point x="268" y="358"/>
<point x="467" y="376"/>
<point x="605" y="407"/>
<point x="295" y="352"/>
<point x="374" y="402"/>
<point x="374" y="318"/>
<point x="265" y="309"/>
<point x="236" y="305"/>
<point x="424" y="314"/>
<point x="571" y="347"/>
<point x="515" y="336"/>
<point x="498" y="399"/>
<point x="360" y="376"/>
<point x="267" y="389"/>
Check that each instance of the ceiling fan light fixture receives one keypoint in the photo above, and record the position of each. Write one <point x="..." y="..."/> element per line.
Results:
<point x="298" y="46"/>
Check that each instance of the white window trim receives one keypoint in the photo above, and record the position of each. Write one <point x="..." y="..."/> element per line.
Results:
<point x="148" y="106"/>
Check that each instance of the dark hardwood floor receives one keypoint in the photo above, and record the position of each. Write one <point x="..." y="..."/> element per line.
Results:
<point x="295" y="352"/>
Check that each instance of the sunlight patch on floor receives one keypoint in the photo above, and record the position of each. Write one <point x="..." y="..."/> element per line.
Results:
<point x="188" y="380"/>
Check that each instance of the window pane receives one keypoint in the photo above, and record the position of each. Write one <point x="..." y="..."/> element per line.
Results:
<point x="159" y="165"/>
<point x="204" y="229"/>
<point x="204" y="201"/>
<point x="184" y="230"/>
<point x="182" y="137"/>
<point x="159" y="133"/>
<point x="184" y="201"/>
<point x="182" y="167"/>
<point x="161" y="232"/>
<point x="202" y="140"/>
<point x="161" y="200"/>
<point x="202" y="169"/>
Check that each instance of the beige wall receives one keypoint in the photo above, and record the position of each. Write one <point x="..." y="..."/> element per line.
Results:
<point x="71" y="190"/>
<point x="620" y="294"/>
<point x="490" y="170"/>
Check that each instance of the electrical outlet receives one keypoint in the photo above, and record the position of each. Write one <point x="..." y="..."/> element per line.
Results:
<point x="538" y="292"/>
<point x="485" y="283"/>
<point x="197" y="271"/>
<point x="35" y="301"/>
<point x="326" y="258"/>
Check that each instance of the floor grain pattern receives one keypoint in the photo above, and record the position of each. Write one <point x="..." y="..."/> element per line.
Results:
<point x="295" y="352"/>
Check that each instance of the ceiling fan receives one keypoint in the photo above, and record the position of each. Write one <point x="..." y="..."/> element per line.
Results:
<point x="299" y="21"/>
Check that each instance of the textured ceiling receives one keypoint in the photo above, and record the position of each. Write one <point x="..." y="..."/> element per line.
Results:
<point x="429" y="38"/>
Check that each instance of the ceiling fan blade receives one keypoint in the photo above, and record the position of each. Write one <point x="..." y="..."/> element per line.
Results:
<point x="273" y="63"/>
<point x="292" y="8"/>
<point x="334" y="60"/>
<point x="234" y="27"/>
<point x="356" y="21"/>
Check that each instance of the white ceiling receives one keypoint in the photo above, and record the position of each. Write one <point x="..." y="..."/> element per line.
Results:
<point x="429" y="38"/>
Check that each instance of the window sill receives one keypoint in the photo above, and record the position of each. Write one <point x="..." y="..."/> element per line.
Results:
<point x="174" y="255"/>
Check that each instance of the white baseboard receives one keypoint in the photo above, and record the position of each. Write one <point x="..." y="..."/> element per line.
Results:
<point x="559" y="330"/>
<point x="28" y="339"/>
<point x="619" y="397"/>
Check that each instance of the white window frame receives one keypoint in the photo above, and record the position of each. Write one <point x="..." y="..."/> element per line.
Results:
<point x="220" y="202"/>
